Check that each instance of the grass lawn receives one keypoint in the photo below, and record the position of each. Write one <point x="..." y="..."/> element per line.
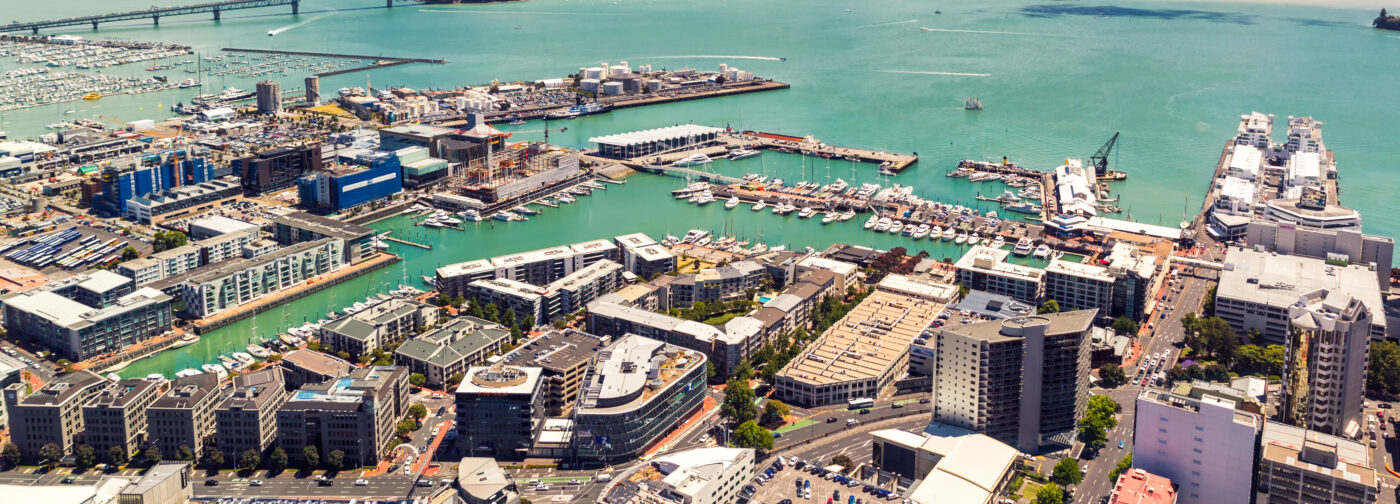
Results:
<point x="721" y="318"/>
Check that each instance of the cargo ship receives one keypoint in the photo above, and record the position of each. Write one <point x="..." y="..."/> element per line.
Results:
<point x="589" y="108"/>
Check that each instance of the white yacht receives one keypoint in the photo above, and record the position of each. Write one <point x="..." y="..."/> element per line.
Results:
<point x="1023" y="247"/>
<point x="897" y="228"/>
<point x="874" y="219"/>
<point x="1042" y="252"/>
<point x="695" y="159"/>
<point x="921" y="232"/>
<point x="759" y="206"/>
<point x="883" y="225"/>
<point x="998" y="242"/>
<point x="960" y="239"/>
<point x="830" y="217"/>
<point x="949" y="233"/>
<point x="807" y="212"/>
<point x="742" y="153"/>
<point x="733" y="202"/>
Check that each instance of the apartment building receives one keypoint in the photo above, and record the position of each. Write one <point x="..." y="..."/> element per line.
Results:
<point x="309" y="367"/>
<point x="87" y="315"/>
<point x="52" y="414"/>
<point x="186" y="258"/>
<point x="117" y="416"/>
<point x="357" y="244"/>
<point x="247" y="418"/>
<point x="1298" y="465"/>
<point x="564" y="358"/>
<point x="215" y="288"/>
<point x="183" y="417"/>
<point x="1022" y="380"/>
<point x="987" y="269"/>
<point x="377" y="325"/>
<point x="1206" y="445"/>
<point x="500" y="410"/>
<point x="1324" y="376"/>
<point x="536" y="267"/>
<point x="1258" y="288"/>
<point x="1078" y="286"/>
<point x="355" y="414"/>
<point x="451" y="349"/>
<point x="642" y="256"/>
<point x="711" y="475"/>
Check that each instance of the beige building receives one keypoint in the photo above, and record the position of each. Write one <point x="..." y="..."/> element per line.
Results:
<point x="355" y="415"/>
<point x="868" y="349"/>
<point x="309" y="367"/>
<point x="184" y="416"/>
<point x="52" y="414"/>
<point x="117" y="416"/>
<point x="1298" y="465"/>
<point x="247" y="419"/>
<point x="166" y="483"/>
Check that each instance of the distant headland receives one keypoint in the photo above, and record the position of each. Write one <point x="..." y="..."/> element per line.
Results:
<point x="1387" y="22"/>
<point x="430" y="2"/>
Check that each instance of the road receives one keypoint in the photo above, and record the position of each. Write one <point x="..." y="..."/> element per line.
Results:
<point x="1096" y="483"/>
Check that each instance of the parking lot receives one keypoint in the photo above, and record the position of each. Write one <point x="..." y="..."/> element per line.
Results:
<point x="817" y="486"/>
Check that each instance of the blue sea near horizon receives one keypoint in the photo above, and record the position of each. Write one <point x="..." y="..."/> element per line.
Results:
<point x="1057" y="79"/>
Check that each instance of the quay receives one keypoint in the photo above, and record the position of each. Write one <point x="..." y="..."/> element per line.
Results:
<point x="153" y="13"/>
<point x="406" y="242"/>
<point x="1049" y="200"/>
<point x="664" y="163"/>
<point x="274" y="300"/>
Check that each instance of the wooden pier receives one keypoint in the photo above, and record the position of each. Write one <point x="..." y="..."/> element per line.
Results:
<point x="406" y="242"/>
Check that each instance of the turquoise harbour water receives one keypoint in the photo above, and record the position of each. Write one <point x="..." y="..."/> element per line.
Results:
<point x="1057" y="78"/>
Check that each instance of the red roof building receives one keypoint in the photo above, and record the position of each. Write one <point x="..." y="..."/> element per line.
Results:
<point x="1136" y="486"/>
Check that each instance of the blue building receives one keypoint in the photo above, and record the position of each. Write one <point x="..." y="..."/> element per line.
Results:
<point x="151" y="173"/>
<point x="374" y="177"/>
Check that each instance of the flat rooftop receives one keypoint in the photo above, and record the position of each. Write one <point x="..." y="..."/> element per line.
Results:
<point x="993" y="261"/>
<point x="633" y="370"/>
<point x="316" y="362"/>
<point x="500" y="379"/>
<point x="324" y="226"/>
<point x="187" y="391"/>
<point x="866" y="342"/>
<point x="122" y="393"/>
<point x="557" y="351"/>
<point x="1285" y="444"/>
<point x="1280" y="280"/>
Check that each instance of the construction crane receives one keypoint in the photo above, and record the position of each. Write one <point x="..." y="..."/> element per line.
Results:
<point x="1100" y="161"/>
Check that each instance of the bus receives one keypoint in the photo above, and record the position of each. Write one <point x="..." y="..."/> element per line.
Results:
<point x="860" y="403"/>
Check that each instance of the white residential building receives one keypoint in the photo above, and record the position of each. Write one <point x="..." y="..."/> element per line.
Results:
<point x="1206" y="445"/>
<point x="696" y="476"/>
<point x="1325" y="378"/>
<point x="1255" y="130"/>
<point x="986" y="268"/>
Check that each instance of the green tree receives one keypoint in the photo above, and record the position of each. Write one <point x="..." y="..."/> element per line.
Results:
<point x="11" y="454"/>
<point x="1208" y="306"/>
<point x="1383" y="371"/>
<point x="1112" y="375"/>
<point x="214" y="457"/>
<point x="750" y="435"/>
<point x="1125" y="325"/>
<point x="508" y="318"/>
<point x="185" y="453"/>
<point x="774" y="412"/>
<point x="310" y="457"/>
<point x="1176" y="374"/>
<point x="738" y="404"/>
<point x="418" y="411"/>
<point x="1050" y="494"/>
<point x="336" y="459"/>
<point x="528" y="323"/>
<point x="710" y="372"/>
<point x="166" y="240"/>
<point x="845" y="462"/>
<point x="493" y="313"/>
<point x="1249" y="359"/>
<point x="1049" y="306"/>
<point x="277" y="461"/>
<point x="453" y="380"/>
<point x="116" y="455"/>
<point x="1123" y="465"/>
<point x="1274" y="357"/>
<point x="250" y="459"/>
<point x="84" y="455"/>
<point x="152" y="455"/>
<point x="1216" y="372"/>
<point x="1066" y="472"/>
<point x="51" y="454"/>
<point x="1098" y="419"/>
<point x="130" y="253"/>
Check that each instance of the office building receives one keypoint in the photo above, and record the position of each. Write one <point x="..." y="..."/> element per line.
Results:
<point x="377" y="325"/>
<point x="183" y="417"/>
<point x="183" y="201"/>
<point x="210" y="226"/>
<point x="299" y="227"/>
<point x="414" y="135"/>
<point x="218" y="287"/>
<point x="564" y="358"/>
<point x="419" y="169"/>
<point x="1078" y="286"/>
<point x="1348" y="246"/>
<point x="343" y="187"/>
<point x="309" y="367"/>
<point x="481" y="481"/>
<point x="1022" y="380"/>
<point x="713" y="475"/>
<point x="987" y="269"/>
<point x="1298" y="465"/>
<point x="87" y="315"/>
<point x="269" y="97"/>
<point x="163" y="483"/>
<point x="945" y="463"/>
<point x="1205" y="445"/>
<point x="355" y="415"/>
<point x="451" y="349"/>
<point x="1136" y="486"/>
<point x="117" y="416"/>
<point x="247" y="419"/>
<point x="642" y="256"/>
<point x="500" y="410"/>
<point x="149" y="174"/>
<point x="313" y="90"/>
<point x="636" y="392"/>
<point x="1258" y="288"/>
<point x="52" y="414"/>
<point x="1324" y="374"/>
<point x="276" y="169"/>
<point x="868" y="349"/>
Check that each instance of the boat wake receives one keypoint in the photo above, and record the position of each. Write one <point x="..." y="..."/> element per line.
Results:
<point x="278" y="31"/>
<point x="716" y="56"/>
<point x="907" y="21"/>
<point x="921" y="72"/>
<point x="450" y="11"/>
<point x="986" y="32"/>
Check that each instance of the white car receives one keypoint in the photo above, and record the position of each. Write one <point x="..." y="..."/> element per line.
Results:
<point x="361" y="482"/>
<point x="541" y="487"/>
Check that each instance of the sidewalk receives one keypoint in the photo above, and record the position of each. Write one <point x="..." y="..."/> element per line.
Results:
<point x="665" y="443"/>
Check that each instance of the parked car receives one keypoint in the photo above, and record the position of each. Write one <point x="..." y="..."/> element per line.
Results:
<point x="361" y="482"/>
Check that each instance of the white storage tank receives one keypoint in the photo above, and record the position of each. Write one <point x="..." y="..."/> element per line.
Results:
<point x="612" y="88"/>
<point x="588" y="85"/>
<point x="723" y="68"/>
<point x="654" y="85"/>
<point x="593" y="73"/>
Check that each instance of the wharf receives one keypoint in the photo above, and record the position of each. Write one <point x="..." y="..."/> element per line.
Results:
<point x="629" y="101"/>
<point x="406" y="242"/>
<point x="664" y="163"/>
<point x="378" y="61"/>
<point x="1049" y="201"/>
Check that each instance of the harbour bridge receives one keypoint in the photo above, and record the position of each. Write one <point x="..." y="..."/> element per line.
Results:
<point x="155" y="13"/>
